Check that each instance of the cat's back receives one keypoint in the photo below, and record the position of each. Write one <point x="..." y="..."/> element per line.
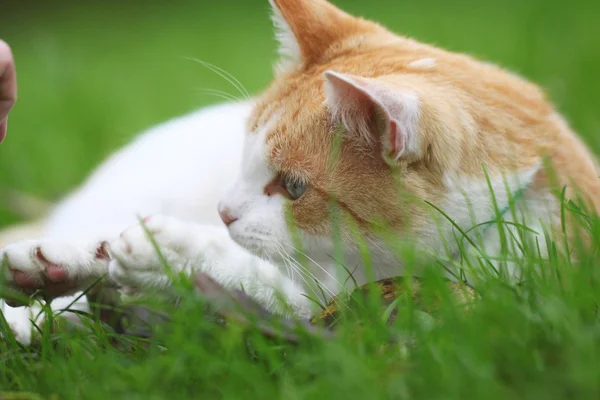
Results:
<point x="516" y="113"/>
<point x="512" y="115"/>
<point x="178" y="167"/>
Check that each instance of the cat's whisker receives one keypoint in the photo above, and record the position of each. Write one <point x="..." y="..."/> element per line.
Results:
<point x="324" y="288"/>
<point x="298" y="268"/>
<point x="262" y="240"/>
<point x="301" y="270"/>
<point x="328" y="292"/>
<point x="225" y="75"/>
<point x="374" y="243"/>
<point x="289" y="262"/>
<point x="220" y="93"/>
<point x="316" y="263"/>
<point x="288" y="268"/>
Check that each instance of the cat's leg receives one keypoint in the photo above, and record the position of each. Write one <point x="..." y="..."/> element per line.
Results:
<point x="191" y="247"/>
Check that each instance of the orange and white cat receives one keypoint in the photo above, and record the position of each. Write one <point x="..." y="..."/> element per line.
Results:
<point x="379" y="125"/>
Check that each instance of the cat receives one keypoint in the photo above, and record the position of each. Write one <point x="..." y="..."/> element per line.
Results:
<point x="362" y="133"/>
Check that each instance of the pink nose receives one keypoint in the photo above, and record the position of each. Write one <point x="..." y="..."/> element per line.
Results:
<point x="226" y="217"/>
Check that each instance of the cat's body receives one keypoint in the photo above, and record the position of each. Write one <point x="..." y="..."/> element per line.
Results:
<point x="414" y="127"/>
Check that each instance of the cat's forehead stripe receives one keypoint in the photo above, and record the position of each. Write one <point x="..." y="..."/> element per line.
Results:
<point x="268" y="119"/>
<point x="265" y="114"/>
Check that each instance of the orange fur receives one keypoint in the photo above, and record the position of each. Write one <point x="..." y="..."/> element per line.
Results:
<point x="472" y="114"/>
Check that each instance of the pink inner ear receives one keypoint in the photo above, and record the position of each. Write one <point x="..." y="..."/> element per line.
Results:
<point x="396" y="141"/>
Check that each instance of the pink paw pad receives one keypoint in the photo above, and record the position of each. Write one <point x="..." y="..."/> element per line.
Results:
<point x="23" y="280"/>
<point x="54" y="272"/>
<point x="102" y="252"/>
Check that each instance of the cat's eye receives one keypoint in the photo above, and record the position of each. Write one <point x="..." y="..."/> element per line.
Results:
<point x="294" y="187"/>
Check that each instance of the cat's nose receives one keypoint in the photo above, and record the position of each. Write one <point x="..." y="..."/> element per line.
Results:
<point x="226" y="216"/>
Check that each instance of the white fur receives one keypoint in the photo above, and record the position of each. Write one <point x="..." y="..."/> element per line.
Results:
<point x="470" y="202"/>
<point x="19" y="320"/>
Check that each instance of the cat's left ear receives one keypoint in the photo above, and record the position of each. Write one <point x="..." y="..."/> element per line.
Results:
<point x="376" y="110"/>
<point x="305" y="29"/>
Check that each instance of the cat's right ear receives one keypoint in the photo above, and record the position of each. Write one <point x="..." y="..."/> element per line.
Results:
<point x="376" y="111"/>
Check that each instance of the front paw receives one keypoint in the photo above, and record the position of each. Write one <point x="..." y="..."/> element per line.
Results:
<point x="136" y="261"/>
<point x="49" y="267"/>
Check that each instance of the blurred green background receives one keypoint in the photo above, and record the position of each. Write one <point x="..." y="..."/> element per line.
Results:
<point x="92" y="74"/>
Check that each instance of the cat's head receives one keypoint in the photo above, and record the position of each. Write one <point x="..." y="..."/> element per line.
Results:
<point x="358" y="120"/>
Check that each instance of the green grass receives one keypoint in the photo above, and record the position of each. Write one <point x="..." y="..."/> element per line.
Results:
<point x="92" y="74"/>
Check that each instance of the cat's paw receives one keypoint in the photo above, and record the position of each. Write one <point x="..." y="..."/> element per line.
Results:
<point x="50" y="267"/>
<point x="137" y="264"/>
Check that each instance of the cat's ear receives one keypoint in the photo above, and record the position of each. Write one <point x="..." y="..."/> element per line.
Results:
<point x="306" y="28"/>
<point x="375" y="110"/>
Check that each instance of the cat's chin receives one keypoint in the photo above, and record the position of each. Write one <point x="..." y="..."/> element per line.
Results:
<point x="258" y="246"/>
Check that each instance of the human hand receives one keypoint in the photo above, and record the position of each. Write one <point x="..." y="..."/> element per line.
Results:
<point x="8" y="86"/>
